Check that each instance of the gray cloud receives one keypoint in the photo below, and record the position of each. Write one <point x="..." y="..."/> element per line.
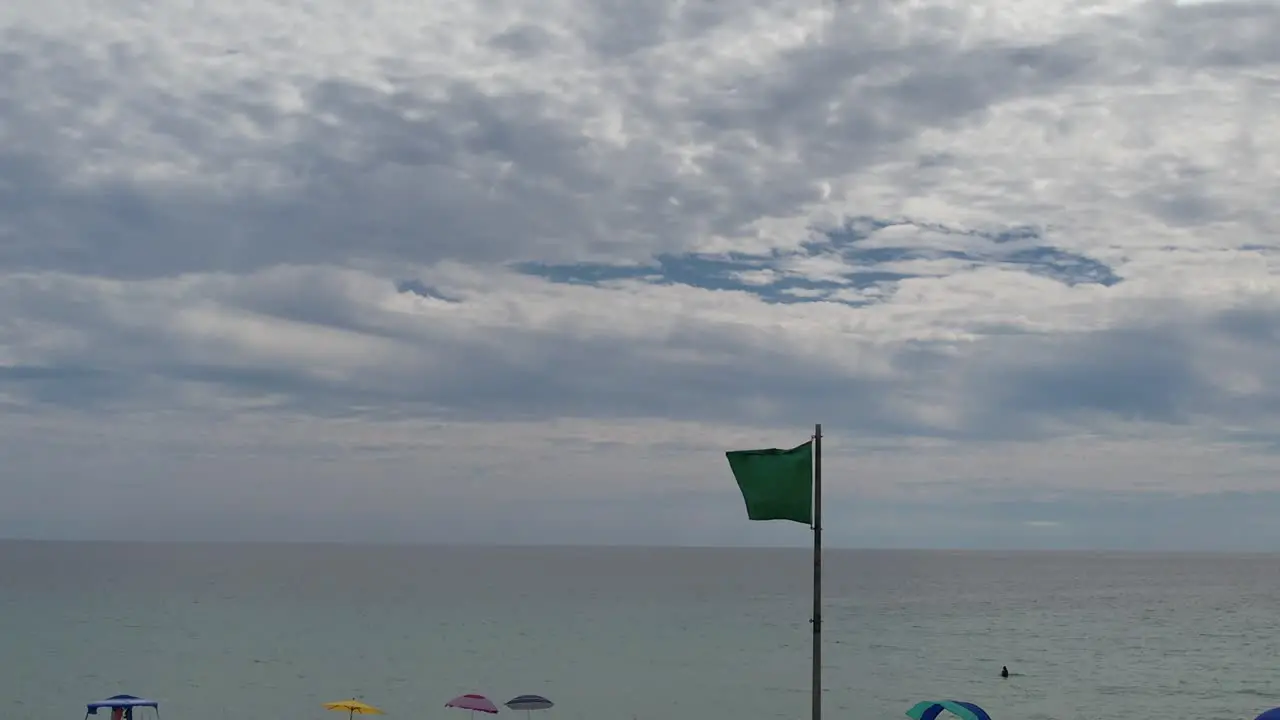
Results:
<point x="406" y="171"/>
<point x="922" y="229"/>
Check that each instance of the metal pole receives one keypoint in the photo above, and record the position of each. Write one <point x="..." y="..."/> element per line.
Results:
<point x="817" y="572"/>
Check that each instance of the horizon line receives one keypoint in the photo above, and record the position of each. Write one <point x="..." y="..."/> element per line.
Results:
<point x="1101" y="550"/>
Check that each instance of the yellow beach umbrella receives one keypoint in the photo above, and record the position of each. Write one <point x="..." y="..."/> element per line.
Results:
<point x="353" y="707"/>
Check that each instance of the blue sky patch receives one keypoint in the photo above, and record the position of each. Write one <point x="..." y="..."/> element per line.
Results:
<point x="872" y="265"/>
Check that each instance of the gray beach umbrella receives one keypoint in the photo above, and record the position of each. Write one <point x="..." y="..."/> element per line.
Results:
<point x="529" y="702"/>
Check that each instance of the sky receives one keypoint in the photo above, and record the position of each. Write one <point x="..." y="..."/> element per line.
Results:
<point x="513" y="272"/>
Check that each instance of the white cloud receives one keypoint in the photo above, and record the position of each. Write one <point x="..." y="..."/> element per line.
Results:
<point x="1003" y="249"/>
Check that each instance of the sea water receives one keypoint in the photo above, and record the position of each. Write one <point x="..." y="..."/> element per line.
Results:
<point x="230" y="631"/>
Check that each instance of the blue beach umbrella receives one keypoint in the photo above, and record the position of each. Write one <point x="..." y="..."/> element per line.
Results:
<point x="930" y="709"/>
<point x="528" y="703"/>
<point x="1272" y="714"/>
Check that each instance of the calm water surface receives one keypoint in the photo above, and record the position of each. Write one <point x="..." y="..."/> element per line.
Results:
<point x="222" y="631"/>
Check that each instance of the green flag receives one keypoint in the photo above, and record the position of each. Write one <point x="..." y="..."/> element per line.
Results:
<point x="776" y="484"/>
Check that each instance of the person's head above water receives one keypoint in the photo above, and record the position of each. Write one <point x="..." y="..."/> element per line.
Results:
<point x="1004" y="671"/>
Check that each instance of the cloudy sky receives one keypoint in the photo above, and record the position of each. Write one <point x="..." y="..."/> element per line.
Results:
<point x="514" y="272"/>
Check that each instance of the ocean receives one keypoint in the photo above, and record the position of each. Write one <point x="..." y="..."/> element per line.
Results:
<point x="271" y="631"/>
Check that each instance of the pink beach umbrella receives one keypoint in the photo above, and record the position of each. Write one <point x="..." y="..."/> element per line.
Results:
<point x="474" y="703"/>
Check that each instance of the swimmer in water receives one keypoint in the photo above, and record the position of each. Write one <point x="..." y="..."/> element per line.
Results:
<point x="1004" y="671"/>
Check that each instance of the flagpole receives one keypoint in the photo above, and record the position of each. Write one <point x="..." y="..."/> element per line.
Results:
<point x="817" y="572"/>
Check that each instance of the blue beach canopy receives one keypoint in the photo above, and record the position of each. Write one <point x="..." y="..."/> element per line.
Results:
<point x="125" y="702"/>
<point x="930" y="709"/>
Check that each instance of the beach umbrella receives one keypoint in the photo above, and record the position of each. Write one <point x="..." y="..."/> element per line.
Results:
<point x="353" y="707"/>
<point x="474" y="703"/>
<point x="930" y="709"/>
<point x="1272" y="714"/>
<point x="528" y="703"/>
